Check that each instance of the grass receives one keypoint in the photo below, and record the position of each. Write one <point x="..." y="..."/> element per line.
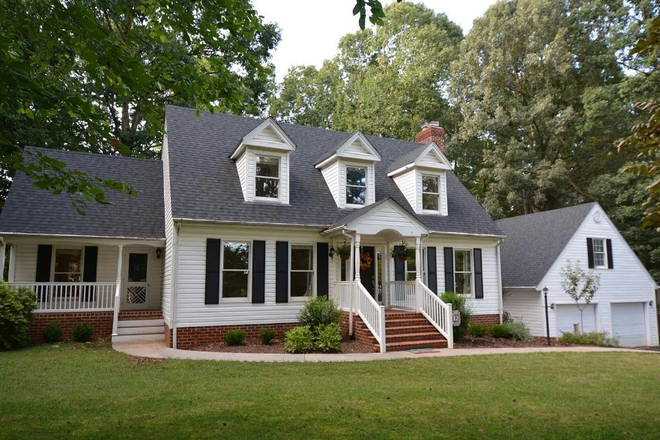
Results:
<point x="90" y="391"/>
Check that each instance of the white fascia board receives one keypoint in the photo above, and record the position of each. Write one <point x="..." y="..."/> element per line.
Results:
<point x="446" y="165"/>
<point x="248" y="139"/>
<point x="365" y="143"/>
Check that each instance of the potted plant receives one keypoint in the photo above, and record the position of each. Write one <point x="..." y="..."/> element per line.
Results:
<point x="403" y="252"/>
<point x="344" y="251"/>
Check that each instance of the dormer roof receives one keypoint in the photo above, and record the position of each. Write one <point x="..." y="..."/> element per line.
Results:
<point x="427" y="156"/>
<point x="267" y="135"/>
<point x="356" y="147"/>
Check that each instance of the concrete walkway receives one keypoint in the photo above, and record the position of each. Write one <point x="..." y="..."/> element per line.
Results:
<point x="160" y="351"/>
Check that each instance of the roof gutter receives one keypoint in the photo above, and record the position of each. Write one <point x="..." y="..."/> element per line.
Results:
<point x="110" y="237"/>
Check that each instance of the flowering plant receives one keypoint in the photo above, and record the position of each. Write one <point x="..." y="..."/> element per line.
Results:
<point x="365" y="261"/>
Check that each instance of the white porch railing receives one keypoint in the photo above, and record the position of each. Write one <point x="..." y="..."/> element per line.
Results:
<point x="372" y="314"/>
<point x="403" y="294"/>
<point x="341" y="295"/>
<point x="66" y="297"/>
<point x="436" y="311"/>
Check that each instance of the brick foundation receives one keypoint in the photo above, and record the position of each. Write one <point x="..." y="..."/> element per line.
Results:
<point x="486" y="319"/>
<point x="190" y="337"/>
<point x="128" y="315"/>
<point x="101" y="321"/>
<point x="360" y="331"/>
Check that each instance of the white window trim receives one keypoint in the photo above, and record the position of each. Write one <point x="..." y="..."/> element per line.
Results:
<point x="54" y="256"/>
<point x="471" y="250"/>
<point x="438" y="194"/>
<point x="593" y="252"/>
<point x="314" y="272"/>
<point x="222" y="298"/>
<point x="279" y="157"/>
<point x="348" y="165"/>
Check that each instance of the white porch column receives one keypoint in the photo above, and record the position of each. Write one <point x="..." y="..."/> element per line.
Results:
<point x="357" y="257"/>
<point x="418" y="258"/>
<point x="2" y="260"/>
<point x="12" y="263"/>
<point x="120" y="263"/>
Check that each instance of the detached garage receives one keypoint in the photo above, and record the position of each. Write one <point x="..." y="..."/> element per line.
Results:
<point x="629" y="323"/>
<point x="539" y="246"/>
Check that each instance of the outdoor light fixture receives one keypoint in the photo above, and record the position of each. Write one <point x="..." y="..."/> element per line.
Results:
<point x="552" y="306"/>
<point x="547" y="321"/>
<point x="650" y="303"/>
<point x="159" y="253"/>
<point x="331" y="254"/>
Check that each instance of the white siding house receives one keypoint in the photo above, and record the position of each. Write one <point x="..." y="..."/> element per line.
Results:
<point x="624" y="305"/>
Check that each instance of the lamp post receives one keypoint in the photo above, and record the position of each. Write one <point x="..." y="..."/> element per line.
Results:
<point x="547" y="321"/>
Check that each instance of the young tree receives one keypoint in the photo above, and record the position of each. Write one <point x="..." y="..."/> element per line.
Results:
<point x="580" y="286"/>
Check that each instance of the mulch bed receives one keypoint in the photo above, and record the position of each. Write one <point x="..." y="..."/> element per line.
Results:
<point x="471" y="342"/>
<point x="277" y="346"/>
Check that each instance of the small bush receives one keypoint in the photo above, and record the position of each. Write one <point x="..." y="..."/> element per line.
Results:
<point x="299" y="340"/>
<point x="328" y="338"/>
<point x="16" y="315"/>
<point x="82" y="332"/>
<point x="502" y="331"/>
<point x="519" y="331"/>
<point x="234" y="337"/>
<point x="458" y="302"/>
<point x="53" y="332"/>
<point x="479" y="330"/>
<point x="319" y="311"/>
<point x="593" y="338"/>
<point x="266" y="335"/>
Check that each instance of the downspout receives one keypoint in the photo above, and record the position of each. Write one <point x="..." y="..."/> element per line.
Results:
<point x="2" y="259"/>
<point x="350" y="277"/>
<point x="175" y="283"/>
<point x="499" y="279"/>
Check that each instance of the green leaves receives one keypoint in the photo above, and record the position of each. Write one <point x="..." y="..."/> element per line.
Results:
<point x="376" y="16"/>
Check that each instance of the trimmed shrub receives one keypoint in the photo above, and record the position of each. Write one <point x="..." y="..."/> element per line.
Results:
<point x="266" y="335"/>
<point x="319" y="311"/>
<point x="299" y="340"/>
<point x="593" y="338"/>
<point x="479" y="330"/>
<point x="82" y="332"/>
<point x="328" y="338"/>
<point x="16" y="307"/>
<point x="52" y="332"/>
<point x="502" y="331"/>
<point x="519" y="331"/>
<point x="458" y="303"/>
<point x="234" y="337"/>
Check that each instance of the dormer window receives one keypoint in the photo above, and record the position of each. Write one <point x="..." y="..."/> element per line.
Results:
<point x="430" y="193"/>
<point x="356" y="185"/>
<point x="267" y="177"/>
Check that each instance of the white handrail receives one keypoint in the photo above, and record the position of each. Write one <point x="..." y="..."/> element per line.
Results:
<point x="67" y="297"/>
<point x="436" y="311"/>
<point x="372" y="314"/>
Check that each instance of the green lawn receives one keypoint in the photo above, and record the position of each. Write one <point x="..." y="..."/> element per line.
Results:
<point x="78" y="391"/>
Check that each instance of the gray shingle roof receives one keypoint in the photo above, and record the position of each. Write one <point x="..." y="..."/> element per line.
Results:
<point x="205" y="183"/>
<point x="533" y="243"/>
<point x="30" y="210"/>
<point x="407" y="158"/>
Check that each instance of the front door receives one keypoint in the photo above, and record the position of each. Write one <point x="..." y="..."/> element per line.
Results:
<point x="368" y="271"/>
<point x="136" y="281"/>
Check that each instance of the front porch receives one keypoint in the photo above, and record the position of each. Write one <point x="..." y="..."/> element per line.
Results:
<point x="88" y="281"/>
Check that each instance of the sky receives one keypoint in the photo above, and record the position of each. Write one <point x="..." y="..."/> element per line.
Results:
<point x="311" y="29"/>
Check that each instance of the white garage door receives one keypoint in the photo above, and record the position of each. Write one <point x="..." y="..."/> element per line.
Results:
<point x="628" y="324"/>
<point x="569" y="314"/>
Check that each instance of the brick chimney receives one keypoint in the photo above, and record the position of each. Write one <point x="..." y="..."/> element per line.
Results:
<point x="432" y="132"/>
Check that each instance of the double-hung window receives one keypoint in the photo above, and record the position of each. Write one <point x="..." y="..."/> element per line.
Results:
<point x="302" y="271"/>
<point x="356" y="185"/>
<point x="267" y="177"/>
<point x="68" y="268"/>
<point x="600" y="255"/>
<point x="235" y="269"/>
<point x="463" y="271"/>
<point x="430" y="193"/>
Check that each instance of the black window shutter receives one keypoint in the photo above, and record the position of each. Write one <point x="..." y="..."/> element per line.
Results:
<point x="610" y="261"/>
<point x="44" y="257"/>
<point x="432" y="270"/>
<point x="258" y="272"/>
<point x="212" y="292"/>
<point x="590" y="252"/>
<point x="478" y="275"/>
<point x="282" y="272"/>
<point x="89" y="270"/>
<point x="399" y="267"/>
<point x="322" y="278"/>
<point x="449" y="269"/>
